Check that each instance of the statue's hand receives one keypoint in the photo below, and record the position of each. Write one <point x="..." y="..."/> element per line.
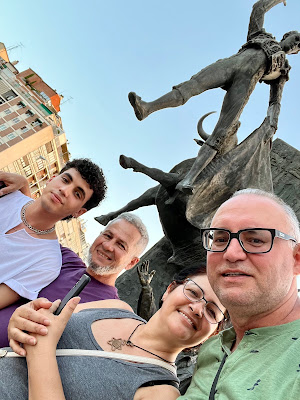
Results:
<point x="285" y="70"/>
<point x="144" y="275"/>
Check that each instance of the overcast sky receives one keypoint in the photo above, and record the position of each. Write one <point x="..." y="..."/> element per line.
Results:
<point x="95" y="52"/>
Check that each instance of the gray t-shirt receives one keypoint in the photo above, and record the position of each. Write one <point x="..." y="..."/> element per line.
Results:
<point x="90" y="378"/>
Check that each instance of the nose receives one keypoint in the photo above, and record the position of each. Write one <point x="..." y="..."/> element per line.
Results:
<point x="234" y="251"/>
<point x="108" y="245"/>
<point x="65" y="190"/>
<point x="198" y="308"/>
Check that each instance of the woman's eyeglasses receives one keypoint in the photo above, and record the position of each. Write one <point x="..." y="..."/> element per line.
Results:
<point x="194" y="293"/>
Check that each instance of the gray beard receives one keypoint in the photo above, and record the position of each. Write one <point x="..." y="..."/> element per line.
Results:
<point x="101" y="269"/>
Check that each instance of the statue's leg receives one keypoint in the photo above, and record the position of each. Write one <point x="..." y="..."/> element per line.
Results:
<point x="146" y="199"/>
<point x="166" y="179"/>
<point x="213" y="76"/>
<point x="142" y="109"/>
<point x="233" y="104"/>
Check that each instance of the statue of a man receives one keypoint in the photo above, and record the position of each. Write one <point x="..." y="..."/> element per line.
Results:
<point x="262" y="58"/>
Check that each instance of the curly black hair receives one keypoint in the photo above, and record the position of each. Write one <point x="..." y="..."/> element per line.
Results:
<point x="93" y="175"/>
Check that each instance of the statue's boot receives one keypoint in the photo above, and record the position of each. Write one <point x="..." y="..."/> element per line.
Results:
<point x="205" y="155"/>
<point x="138" y="105"/>
<point x="166" y="179"/>
<point x="142" y="108"/>
<point x="105" y="219"/>
<point x="126" y="162"/>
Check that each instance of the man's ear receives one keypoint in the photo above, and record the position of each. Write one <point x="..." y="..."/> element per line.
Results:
<point x="79" y="212"/>
<point x="296" y="254"/>
<point x="132" y="263"/>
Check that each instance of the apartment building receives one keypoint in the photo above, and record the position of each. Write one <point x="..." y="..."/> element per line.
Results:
<point x="32" y="139"/>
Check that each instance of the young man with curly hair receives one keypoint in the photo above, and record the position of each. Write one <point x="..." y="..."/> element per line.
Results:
<point x="30" y="252"/>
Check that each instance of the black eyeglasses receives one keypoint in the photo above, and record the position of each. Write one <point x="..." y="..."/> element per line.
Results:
<point x="194" y="293"/>
<point x="254" y="241"/>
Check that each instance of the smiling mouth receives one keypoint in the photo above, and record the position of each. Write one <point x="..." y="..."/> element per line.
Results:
<point x="188" y="319"/>
<point x="235" y="274"/>
<point x="103" y="255"/>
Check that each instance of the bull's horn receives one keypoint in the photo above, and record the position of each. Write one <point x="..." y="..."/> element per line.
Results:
<point x="200" y="129"/>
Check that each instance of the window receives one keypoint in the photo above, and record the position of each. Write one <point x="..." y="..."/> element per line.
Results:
<point x="3" y="127"/>
<point x="24" y="129"/>
<point x="11" y="136"/>
<point x="37" y="122"/>
<point x="7" y="111"/>
<point x="9" y="95"/>
<point x="29" y="113"/>
<point x="21" y="104"/>
<point x="44" y="96"/>
<point x="49" y="147"/>
<point x="24" y="161"/>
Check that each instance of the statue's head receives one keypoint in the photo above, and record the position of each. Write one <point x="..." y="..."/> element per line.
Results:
<point x="290" y="43"/>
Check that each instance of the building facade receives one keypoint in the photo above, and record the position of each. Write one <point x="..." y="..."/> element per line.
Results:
<point x="32" y="139"/>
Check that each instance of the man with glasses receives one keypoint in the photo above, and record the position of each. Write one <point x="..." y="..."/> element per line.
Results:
<point x="253" y="259"/>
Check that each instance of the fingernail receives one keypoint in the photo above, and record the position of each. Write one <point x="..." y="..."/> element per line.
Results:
<point x="32" y="341"/>
<point x="46" y="321"/>
<point x="44" y="331"/>
<point x="22" y="353"/>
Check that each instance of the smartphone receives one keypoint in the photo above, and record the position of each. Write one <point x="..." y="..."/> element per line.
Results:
<point x="80" y="285"/>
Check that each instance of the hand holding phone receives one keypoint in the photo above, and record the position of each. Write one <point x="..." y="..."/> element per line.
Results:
<point x="80" y="285"/>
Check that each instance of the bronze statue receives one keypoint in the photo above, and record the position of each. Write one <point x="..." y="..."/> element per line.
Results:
<point x="262" y="58"/>
<point x="181" y="215"/>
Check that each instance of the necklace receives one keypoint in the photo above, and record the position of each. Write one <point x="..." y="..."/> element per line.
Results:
<point x="117" y="344"/>
<point x="26" y="223"/>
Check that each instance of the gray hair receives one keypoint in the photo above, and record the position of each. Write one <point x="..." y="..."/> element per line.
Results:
<point x="138" y="223"/>
<point x="290" y="213"/>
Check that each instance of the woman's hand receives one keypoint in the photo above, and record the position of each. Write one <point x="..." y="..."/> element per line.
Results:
<point x="28" y="319"/>
<point x="57" y="324"/>
<point x="43" y="375"/>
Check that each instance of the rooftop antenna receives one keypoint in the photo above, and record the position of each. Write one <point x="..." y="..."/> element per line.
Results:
<point x="65" y="101"/>
<point x="14" y="47"/>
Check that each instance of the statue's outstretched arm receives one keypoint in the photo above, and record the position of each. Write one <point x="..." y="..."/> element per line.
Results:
<point x="146" y="303"/>
<point x="258" y="14"/>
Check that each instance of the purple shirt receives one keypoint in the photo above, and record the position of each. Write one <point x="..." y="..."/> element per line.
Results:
<point x="72" y="270"/>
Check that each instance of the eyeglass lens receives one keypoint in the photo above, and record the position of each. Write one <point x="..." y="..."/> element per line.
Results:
<point x="195" y="294"/>
<point x="252" y="240"/>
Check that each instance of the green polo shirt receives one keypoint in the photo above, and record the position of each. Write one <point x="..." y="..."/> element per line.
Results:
<point x="265" y="365"/>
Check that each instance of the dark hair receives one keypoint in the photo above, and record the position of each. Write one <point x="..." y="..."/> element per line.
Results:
<point x="93" y="175"/>
<point x="185" y="273"/>
<point x="182" y="275"/>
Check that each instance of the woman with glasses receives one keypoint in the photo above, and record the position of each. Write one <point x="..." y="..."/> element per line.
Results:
<point x="191" y="312"/>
